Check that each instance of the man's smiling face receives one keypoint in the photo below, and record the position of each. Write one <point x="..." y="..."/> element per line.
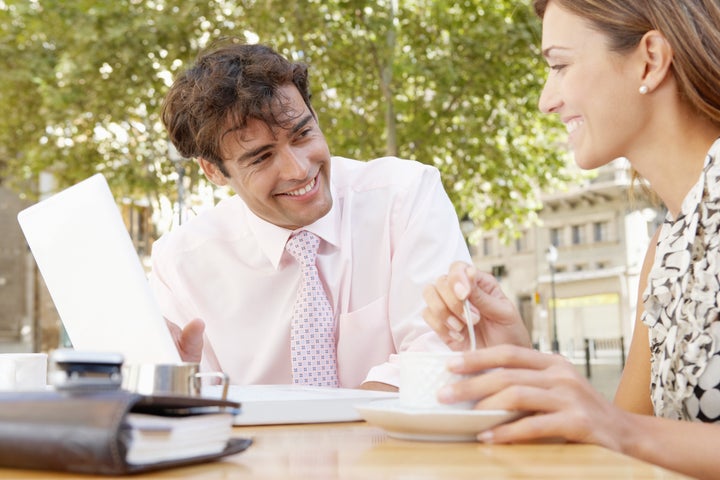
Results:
<point x="281" y="172"/>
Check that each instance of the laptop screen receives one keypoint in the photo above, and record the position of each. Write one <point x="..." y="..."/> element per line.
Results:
<point x="93" y="273"/>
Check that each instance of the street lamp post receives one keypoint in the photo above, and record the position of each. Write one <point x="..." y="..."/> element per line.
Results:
<point x="177" y="160"/>
<point x="551" y="256"/>
<point x="181" y="191"/>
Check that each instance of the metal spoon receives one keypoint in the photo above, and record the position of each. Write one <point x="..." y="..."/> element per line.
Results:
<point x="468" y="320"/>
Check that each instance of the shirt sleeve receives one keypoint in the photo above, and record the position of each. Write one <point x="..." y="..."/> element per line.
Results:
<point x="427" y="240"/>
<point x="171" y="307"/>
<point x="167" y="300"/>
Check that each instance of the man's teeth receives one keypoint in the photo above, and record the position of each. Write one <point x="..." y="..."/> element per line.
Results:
<point x="304" y="190"/>
<point x="573" y="125"/>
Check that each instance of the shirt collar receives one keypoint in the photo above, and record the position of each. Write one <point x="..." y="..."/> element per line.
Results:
<point x="271" y="239"/>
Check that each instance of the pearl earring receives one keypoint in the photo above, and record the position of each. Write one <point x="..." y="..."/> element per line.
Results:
<point x="643" y="89"/>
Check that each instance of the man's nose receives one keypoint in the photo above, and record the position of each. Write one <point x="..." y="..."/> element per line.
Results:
<point x="293" y="163"/>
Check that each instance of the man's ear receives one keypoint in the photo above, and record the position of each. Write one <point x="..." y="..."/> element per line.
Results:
<point x="212" y="172"/>
<point x="658" y="55"/>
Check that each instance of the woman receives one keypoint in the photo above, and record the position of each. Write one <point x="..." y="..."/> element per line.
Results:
<point x="639" y="80"/>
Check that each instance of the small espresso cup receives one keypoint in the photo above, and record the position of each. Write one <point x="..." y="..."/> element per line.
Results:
<point x="177" y="379"/>
<point x="23" y="371"/>
<point x="422" y="374"/>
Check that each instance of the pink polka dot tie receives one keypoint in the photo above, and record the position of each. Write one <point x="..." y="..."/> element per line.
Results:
<point x="312" y="336"/>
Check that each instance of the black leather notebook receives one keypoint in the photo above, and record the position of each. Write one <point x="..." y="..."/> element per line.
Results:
<point x="93" y="432"/>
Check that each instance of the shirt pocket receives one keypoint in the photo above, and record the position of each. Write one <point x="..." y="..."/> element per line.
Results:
<point x="364" y="341"/>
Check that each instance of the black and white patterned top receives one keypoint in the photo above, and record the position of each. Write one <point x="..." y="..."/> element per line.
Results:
<point x="681" y="304"/>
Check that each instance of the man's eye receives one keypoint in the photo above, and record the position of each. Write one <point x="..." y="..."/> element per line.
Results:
<point x="260" y="159"/>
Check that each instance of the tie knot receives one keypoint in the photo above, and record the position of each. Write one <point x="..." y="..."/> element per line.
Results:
<point x="303" y="247"/>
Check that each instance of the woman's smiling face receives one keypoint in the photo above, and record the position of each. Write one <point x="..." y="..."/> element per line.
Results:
<point x="592" y="89"/>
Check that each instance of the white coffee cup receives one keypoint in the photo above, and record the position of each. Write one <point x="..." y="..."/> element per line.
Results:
<point x="422" y="374"/>
<point x="23" y="371"/>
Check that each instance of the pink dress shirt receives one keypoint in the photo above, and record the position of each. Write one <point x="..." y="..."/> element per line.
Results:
<point x="391" y="231"/>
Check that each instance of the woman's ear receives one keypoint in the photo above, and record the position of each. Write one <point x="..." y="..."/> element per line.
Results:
<point x="212" y="172"/>
<point x="658" y="55"/>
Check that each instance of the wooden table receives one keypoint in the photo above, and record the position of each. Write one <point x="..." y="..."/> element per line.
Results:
<point x="364" y="452"/>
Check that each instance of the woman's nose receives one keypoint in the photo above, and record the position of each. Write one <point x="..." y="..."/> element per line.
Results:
<point x="549" y="98"/>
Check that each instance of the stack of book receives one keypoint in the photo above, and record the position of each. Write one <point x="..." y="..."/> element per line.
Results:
<point x="154" y="438"/>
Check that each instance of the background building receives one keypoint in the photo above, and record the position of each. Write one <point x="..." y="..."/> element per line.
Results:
<point x="18" y="331"/>
<point x="589" y="290"/>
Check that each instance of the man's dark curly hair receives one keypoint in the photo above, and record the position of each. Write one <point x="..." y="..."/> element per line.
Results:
<point x="229" y="84"/>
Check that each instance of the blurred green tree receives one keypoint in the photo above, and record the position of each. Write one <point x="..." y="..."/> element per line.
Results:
<point x="450" y="83"/>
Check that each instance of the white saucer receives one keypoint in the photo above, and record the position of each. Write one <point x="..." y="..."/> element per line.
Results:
<point x="431" y="425"/>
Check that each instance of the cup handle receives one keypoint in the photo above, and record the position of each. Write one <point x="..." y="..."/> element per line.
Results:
<point x="224" y="378"/>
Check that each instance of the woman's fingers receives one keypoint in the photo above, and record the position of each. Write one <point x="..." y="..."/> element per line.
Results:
<point x="533" y="397"/>
<point x="577" y="415"/>
<point x="495" y="318"/>
<point x="504" y="356"/>
<point x="439" y="315"/>
<point x="489" y="298"/>
<point x="528" y="428"/>
<point x="557" y="400"/>
<point x="504" y="388"/>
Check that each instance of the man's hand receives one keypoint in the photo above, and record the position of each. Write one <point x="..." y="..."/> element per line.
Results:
<point x="188" y="341"/>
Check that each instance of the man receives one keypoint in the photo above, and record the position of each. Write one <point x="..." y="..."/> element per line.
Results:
<point x="385" y="229"/>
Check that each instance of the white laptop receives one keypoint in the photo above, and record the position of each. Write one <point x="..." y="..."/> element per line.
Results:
<point x="94" y="275"/>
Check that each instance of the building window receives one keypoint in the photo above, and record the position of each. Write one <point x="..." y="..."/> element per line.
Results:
<point x="578" y="234"/>
<point x="498" y="271"/>
<point x="487" y="245"/>
<point x="521" y="242"/>
<point x="556" y="237"/>
<point x="138" y="220"/>
<point x="600" y="231"/>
